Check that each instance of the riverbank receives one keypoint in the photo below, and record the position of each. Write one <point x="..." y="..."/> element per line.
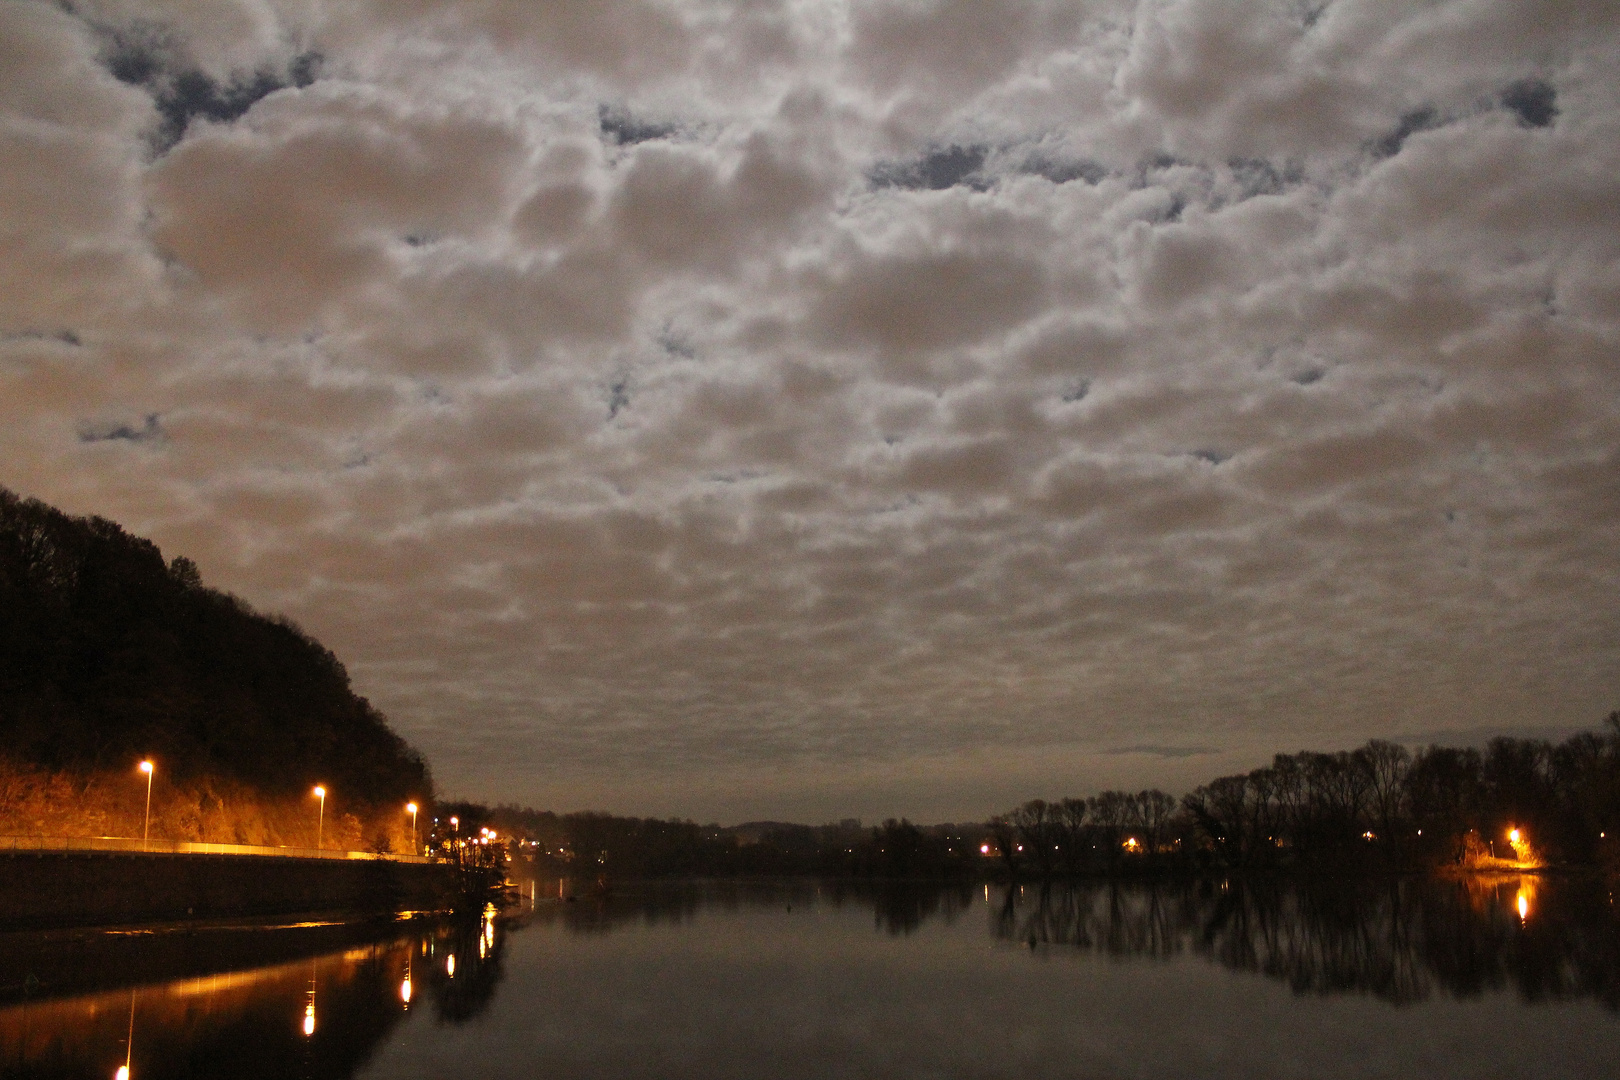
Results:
<point x="87" y="888"/>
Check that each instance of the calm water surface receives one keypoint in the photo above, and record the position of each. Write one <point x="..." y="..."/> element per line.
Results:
<point x="1211" y="979"/>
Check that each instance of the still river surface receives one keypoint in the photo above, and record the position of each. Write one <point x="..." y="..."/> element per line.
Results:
<point x="1510" y="978"/>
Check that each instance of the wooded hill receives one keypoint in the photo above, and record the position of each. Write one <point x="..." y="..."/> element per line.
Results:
<point x="109" y="654"/>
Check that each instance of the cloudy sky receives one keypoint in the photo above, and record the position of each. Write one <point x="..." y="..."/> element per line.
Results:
<point x="810" y="408"/>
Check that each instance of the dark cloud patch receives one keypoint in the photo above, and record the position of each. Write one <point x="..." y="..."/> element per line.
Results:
<point x="104" y="431"/>
<point x="1534" y="101"/>
<point x="1256" y="176"/>
<point x="1077" y="392"/>
<point x="1156" y="162"/>
<point x="61" y="337"/>
<point x="938" y="169"/>
<point x="1424" y="119"/>
<point x="1063" y="172"/>
<point x="140" y="54"/>
<point x="1308" y="376"/>
<point x="1163" y="751"/>
<point x="674" y="343"/>
<point x="1212" y="457"/>
<point x="618" y="397"/>
<point x="619" y="127"/>
<point x="147" y="56"/>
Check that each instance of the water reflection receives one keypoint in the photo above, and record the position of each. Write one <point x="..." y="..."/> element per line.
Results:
<point x="187" y="1003"/>
<point x="1402" y="940"/>
<point x="898" y="908"/>
<point x="323" y="1016"/>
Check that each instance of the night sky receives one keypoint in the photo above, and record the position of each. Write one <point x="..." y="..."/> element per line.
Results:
<point x="810" y="409"/>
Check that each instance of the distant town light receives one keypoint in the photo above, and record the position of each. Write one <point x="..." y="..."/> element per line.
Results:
<point x="405" y="990"/>
<point x="309" y="1019"/>
<point x="984" y="849"/>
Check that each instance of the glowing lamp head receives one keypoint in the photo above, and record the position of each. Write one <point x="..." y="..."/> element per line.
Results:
<point x="320" y="792"/>
<point x="122" y="1073"/>
<point x="146" y="767"/>
<point x="1513" y="836"/>
<point x="410" y="808"/>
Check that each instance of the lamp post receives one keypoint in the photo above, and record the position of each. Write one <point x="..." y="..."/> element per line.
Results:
<point x="320" y="818"/>
<point x="410" y="808"/>
<point x="146" y="829"/>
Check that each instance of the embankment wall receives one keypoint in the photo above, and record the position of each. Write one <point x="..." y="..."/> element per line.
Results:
<point x="43" y="889"/>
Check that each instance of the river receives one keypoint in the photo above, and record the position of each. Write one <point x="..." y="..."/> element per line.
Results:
<point x="1511" y="978"/>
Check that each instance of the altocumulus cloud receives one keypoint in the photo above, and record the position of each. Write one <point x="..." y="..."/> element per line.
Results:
<point x="884" y="406"/>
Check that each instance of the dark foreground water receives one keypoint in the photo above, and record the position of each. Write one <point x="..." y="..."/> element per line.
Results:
<point x="1211" y="979"/>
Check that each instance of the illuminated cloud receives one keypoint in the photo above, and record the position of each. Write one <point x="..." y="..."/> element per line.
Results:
<point x="797" y="409"/>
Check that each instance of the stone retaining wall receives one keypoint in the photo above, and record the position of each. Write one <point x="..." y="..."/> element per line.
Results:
<point x="86" y="888"/>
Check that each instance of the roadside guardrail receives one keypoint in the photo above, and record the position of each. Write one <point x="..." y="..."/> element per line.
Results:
<point x="187" y="847"/>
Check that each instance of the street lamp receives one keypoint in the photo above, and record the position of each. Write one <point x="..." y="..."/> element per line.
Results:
<point x="146" y="829"/>
<point x="320" y="819"/>
<point x="410" y="808"/>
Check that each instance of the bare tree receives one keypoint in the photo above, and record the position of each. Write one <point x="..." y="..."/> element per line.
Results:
<point x="1038" y="827"/>
<point x="1154" y="810"/>
<point x="1387" y="766"/>
<point x="1073" y="833"/>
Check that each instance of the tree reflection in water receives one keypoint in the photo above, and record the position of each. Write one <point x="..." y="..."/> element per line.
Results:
<point x="464" y="984"/>
<point x="898" y="907"/>
<point x="1400" y="939"/>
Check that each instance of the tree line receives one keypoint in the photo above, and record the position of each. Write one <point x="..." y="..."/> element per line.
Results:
<point x="1378" y="806"/>
<point x="1524" y="800"/>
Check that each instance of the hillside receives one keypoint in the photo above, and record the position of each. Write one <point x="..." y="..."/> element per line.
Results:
<point x="109" y="654"/>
